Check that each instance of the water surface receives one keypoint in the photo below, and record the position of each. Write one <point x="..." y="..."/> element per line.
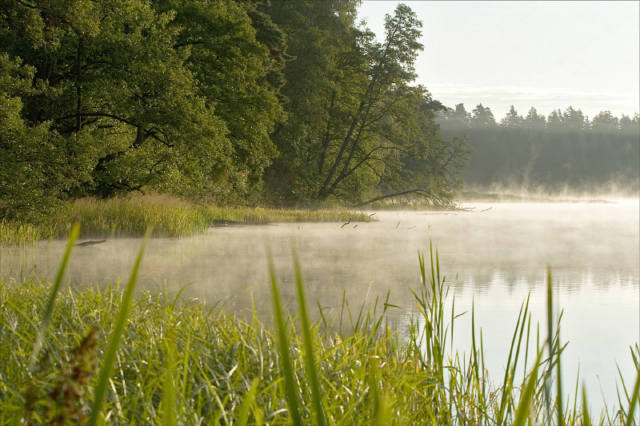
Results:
<point x="492" y="257"/>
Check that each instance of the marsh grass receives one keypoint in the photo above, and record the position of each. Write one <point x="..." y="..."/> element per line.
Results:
<point x="166" y="361"/>
<point x="169" y="217"/>
<point x="12" y="232"/>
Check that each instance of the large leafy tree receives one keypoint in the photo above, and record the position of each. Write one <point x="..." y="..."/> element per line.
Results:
<point x="133" y="95"/>
<point x="354" y="117"/>
<point x="33" y="170"/>
<point x="382" y="103"/>
<point x="430" y="166"/>
<point x="321" y="40"/>
<point x="238" y="76"/>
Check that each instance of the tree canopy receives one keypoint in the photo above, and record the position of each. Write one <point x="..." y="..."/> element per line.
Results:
<point x="210" y="98"/>
<point x="357" y="127"/>
<point x="106" y="97"/>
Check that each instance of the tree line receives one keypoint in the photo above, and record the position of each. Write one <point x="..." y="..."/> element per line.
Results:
<point x="564" y="150"/>
<point x="239" y="101"/>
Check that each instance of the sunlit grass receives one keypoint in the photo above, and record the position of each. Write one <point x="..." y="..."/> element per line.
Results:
<point x="219" y="362"/>
<point x="169" y="217"/>
<point x="12" y="232"/>
<point x="164" y="360"/>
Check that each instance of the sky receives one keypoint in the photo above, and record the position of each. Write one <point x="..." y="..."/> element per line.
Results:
<point x="547" y="55"/>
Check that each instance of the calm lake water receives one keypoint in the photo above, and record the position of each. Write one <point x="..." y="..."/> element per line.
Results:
<point x="494" y="258"/>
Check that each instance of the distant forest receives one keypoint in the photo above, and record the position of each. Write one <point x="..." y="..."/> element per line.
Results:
<point x="564" y="151"/>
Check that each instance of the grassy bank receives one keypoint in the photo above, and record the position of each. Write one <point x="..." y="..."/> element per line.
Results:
<point x="169" y="217"/>
<point x="104" y="355"/>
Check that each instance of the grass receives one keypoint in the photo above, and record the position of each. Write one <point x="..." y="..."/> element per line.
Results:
<point x="169" y="217"/>
<point x="12" y="232"/>
<point x="166" y="361"/>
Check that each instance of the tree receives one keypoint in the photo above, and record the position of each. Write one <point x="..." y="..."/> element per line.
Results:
<point x="512" y="119"/>
<point x="367" y="138"/>
<point x="457" y="117"/>
<point x="353" y="115"/>
<point x="534" y="121"/>
<point x="140" y="95"/>
<point x="482" y="116"/>
<point x="629" y="125"/>
<point x="554" y="120"/>
<point x="574" y="119"/>
<point x="325" y="66"/>
<point x="32" y="171"/>
<point x="237" y="75"/>
<point x="429" y="168"/>
<point x="605" y="122"/>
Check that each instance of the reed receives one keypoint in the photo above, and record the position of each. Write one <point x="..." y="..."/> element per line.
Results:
<point x="12" y="232"/>
<point x="168" y="361"/>
<point x="168" y="216"/>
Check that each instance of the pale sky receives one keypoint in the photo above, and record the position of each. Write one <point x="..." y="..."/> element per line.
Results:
<point x="548" y="55"/>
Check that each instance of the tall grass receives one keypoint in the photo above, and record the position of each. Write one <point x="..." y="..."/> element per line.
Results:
<point x="167" y="361"/>
<point x="19" y="233"/>
<point x="168" y="216"/>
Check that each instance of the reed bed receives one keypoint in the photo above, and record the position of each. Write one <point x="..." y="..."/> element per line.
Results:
<point x="168" y="216"/>
<point x="89" y="356"/>
<point x="16" y="233"/>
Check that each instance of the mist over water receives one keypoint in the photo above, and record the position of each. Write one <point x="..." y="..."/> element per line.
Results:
<point x="493" y="256"/>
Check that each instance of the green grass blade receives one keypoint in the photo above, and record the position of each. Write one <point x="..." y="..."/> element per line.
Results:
<point x="381" y="411"/>
<point x="247" y="402"/>
<point x="586" y="419"/>
<point x="575" y="397"/>
<point x="526" y="348"/>
<point x="324" y="320"/>
<point x="559" y="397"/>
<point x="185" y="364"/>
<point x="453" y="317"/>
<point x="508" y="376"/>
<point x="287" y="367"/>
<point x="46" y="319"/>
<point x="308" y="346"/>
<point x="168" y="403"/>
<point x="522" y="412"/>
<point x="635" y="400"/>
<point x="547" y="382"/>
<point x="116" y="335"/>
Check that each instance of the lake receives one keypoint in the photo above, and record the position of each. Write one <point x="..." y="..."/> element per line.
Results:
<point x="493" y="257"/>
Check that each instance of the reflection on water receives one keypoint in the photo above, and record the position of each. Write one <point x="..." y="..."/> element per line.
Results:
<point x="495" y="257"/>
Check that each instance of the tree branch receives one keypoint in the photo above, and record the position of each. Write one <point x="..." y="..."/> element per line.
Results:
<point x="396" y="194"/>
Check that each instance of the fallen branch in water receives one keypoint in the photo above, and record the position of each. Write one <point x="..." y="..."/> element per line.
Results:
<point x="91" y="243"/>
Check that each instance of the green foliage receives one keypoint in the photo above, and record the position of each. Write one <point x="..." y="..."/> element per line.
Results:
<point x="32" y="172"/>
<point x="356" y="125"/>
<point x="107" y="97"/>
<point x="197" y="98"/>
